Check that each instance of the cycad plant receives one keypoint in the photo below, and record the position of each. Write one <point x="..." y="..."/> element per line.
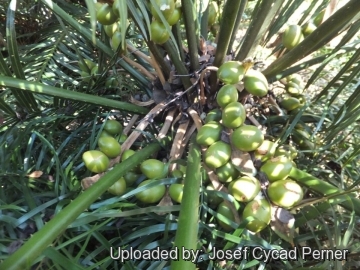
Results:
<point x="238" y="124"/>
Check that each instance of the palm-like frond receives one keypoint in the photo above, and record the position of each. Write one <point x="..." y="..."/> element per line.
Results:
<point x="52" y="114"/>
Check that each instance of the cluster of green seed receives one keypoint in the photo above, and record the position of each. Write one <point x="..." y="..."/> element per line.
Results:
<point x="294" y="99"/>
<point x="277" y="162"/>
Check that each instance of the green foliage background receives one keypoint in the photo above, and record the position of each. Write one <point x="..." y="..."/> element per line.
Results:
<point x="42" y="93"/>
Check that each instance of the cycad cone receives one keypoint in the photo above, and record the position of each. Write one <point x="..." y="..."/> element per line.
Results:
<point x="227" y="94"/>
<point x="213" y="115"/>
<point x="217" y="155"/>
<point x="245" y="188"/>
<point x="174" y="17"/>
<point x="227" y="173"/>
<point x="116" y="42"/>
<point x="159" y="34"/>
<point x="209" y="133"/>
<point x="213" y="13"/>
<point x="292" y="36"/>
<point x="224" y="210"/>
<point x="308" y="28"/>
<point x="285" y="193"/>
<point x="231" y="72"/>
<point x="233" y="115"/>
<point x="247" y="138"/>
<point x="105" y="15"/>
<point x="256" y="83"/>
<point x="290" y="103"/>
<point x="277" y="168"/>
<point x="266" y="150"/>
<point x="90" y="65"/>
<point x="260" y="210"/>
<point x="165" y="6"/>
<point x="111" y="29"/>
<point x="319" y="18"/>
